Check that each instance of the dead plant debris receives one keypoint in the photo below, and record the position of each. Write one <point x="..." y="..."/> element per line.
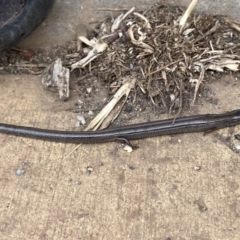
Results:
<point x="169" y="51"/>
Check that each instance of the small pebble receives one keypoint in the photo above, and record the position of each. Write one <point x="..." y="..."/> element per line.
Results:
<point x="90" y="113"/>
<point x="80" y="103"/>
<point x="197" y="168"/>
<point x="128" y="108"/>
<point x="77" y="124"/>
<point x="179" y="140"/>
<point x="89" y="170"/>
<point x="79" y="182"/>
<point x="237" y="147"/>
<point x="81" y="119"/>
<point x="20" y="172"/>
<point x="172" y="97"/>
<point x="131" y="167"/>
<point x="214" y="140"/>
<point x="128" y="148"/>
<point x="89" y="90"/>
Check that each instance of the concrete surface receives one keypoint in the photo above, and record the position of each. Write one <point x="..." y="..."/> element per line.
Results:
<point x="152" y="193"/>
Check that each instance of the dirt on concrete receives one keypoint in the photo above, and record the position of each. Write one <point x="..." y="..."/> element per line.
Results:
<point x="172" y="187"/>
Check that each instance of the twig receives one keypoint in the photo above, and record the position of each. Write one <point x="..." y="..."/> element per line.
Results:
<point x="180" y="100"/>
<point x="120" y="19"/>
<point x="73" y="150"/>
<point x="233" y="24"/>
<point x="187" y="14"/>
<point x="201" y="77"/>
<point x="99" y="46"/>
<point x="113" y="9"/>
<point x="31" y="65"/>
<point x="123" y="91"/>
<point x="162" y="68"/>
<point x="209" y="32"/>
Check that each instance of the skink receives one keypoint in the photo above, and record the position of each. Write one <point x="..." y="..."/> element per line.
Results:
<point x="197" y="123"/>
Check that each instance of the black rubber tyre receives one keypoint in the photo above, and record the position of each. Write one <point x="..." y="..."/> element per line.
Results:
<point x="18" y="18"/>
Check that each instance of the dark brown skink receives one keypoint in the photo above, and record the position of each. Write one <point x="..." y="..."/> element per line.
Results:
<point x="198" y="123"/>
